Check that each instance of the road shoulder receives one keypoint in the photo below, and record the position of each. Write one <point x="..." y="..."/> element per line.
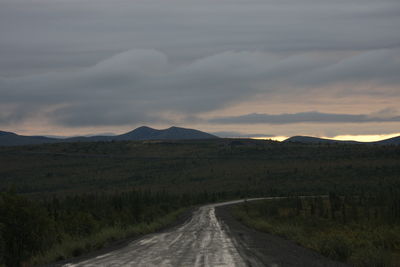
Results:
<point x="269" y="249"/>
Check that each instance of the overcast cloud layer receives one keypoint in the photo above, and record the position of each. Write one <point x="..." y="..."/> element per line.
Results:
<point x="315" y="117"/>
<point x="97" y="63"/>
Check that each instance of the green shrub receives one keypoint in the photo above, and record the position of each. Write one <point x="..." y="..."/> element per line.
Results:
<point x="372" y="257"/>
<point x="335" y="247"/>
<point x="26" y="229"/>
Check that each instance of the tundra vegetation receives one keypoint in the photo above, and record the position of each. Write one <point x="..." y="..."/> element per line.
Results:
<point x="361" y="229"/>
<point x="63" y="200"/>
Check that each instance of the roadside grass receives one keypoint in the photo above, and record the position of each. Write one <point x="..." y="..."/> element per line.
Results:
<point x="74" y="247"/>
<point x="361" y="244"/>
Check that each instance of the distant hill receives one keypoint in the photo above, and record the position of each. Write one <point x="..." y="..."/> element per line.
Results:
<point x="141" y="133"/>
<point x="316" y="140"/>
<point x="12" y="139"/>
<point x="172" y="133"/>
<point x="390" y="141"/>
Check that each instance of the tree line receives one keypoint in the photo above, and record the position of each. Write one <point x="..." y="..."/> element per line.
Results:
<point x="31" y="227"/>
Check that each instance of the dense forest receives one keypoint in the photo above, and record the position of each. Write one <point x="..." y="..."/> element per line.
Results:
<point x="258" y="167"/>
<point x="62" y="200"/>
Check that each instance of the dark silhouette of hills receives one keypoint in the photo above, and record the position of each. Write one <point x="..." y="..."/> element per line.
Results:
<point x="316" y="140"/>
<point x="390" y="141"/>
<point x="12" y="139"/>
<point x="172" y="133"/>
<point x="141" y="133"/>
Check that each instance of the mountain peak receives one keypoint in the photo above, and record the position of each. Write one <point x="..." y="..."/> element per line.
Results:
<point x="173" y="133"/>
<point x="143" y="127"/>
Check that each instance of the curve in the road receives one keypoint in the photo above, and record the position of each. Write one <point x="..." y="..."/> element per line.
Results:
<point x="201" y="241"/>
<point x="210" y="240"/>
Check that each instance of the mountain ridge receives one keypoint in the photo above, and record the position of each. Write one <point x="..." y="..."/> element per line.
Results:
<point x="317" y="140"/>
<point x="143" y="133"/>
<point x="138" y="134"/>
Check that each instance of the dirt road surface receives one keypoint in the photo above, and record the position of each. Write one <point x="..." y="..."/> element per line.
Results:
<point x="203" y="240"/>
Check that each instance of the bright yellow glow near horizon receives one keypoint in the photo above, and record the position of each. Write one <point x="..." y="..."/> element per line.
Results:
<point x="365" y="138"/>
<point x="360" y="138"/>
<point x="275" y="138"/>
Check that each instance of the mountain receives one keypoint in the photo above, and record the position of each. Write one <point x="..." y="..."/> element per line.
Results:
<point x="316" y="140"/>
<point x="172" y="133"/>
<point x="12" y="139"/>
<point x="141" y="133"/>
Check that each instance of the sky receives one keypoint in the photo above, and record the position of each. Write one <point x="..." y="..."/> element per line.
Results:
<point x="240" y="68"/>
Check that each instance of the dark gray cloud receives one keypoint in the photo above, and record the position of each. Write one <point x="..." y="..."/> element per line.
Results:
<point x="143" y="85"/>
<point x="44" y="35"/>
<point x="99" y="62"/>
<point x="313" y="117"/>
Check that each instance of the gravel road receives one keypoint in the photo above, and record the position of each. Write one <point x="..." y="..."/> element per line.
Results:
<point x="203" y="240"/>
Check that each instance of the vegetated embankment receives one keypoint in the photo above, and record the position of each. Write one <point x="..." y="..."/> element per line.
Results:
<point x="360" y="230"/>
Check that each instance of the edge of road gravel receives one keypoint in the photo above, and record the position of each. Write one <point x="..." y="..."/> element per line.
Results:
<point x="263" y="249"/>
